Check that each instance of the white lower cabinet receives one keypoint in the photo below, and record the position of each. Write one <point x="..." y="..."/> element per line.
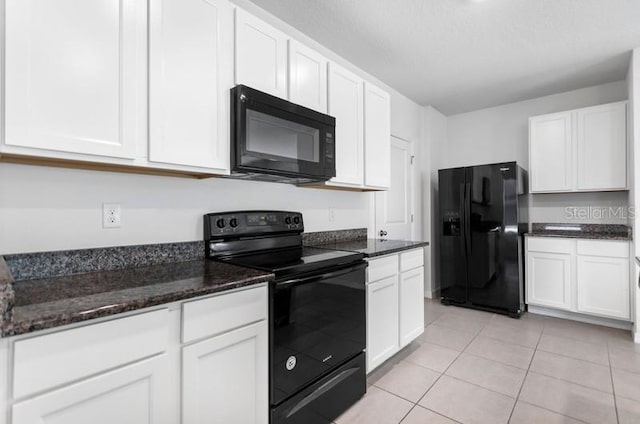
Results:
<point x="225" y="378"/>
<point x="382" y="321"/>
<point x="135" y="394"/>
<point x="603" y="286"/>
<point x="549" y="279"/>
<point x="411" y="294"/>
<point x="395" y="304"/>
<point x="578" y="275"/>
<point x="127" y="370"/>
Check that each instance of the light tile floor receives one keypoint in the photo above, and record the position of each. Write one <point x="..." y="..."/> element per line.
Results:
<point x="477" y="367"/>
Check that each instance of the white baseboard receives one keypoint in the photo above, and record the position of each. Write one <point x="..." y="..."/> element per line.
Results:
<point x="607" y="322"/>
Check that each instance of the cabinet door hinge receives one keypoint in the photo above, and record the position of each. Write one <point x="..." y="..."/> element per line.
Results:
<point x="412" y="157"/>
<point x="411" y="217"/>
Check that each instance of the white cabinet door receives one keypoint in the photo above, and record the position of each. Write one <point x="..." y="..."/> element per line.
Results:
<point x="307" y="77"/>
<point x="411" y="305"/>
<point x="603" y="286"/>
<point x="549" y="279"/>
<point x="261" y="55"/>
<point x="382" y="321"/>
<point x="602" y="147"/>
<point x="136" y="394"/>
<point x="190" y="62"/>
<point x="225" y="378"/>
<point x="377" y="137"/>
<point x="346" y="103"/>
<point x="551" y="153"/>
<point x="75" y="76"/>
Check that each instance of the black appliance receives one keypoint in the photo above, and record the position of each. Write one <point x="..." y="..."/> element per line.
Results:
<point x="276" y="140"/>
<point x="317" y="327"/>
<point x="482" y="220"/>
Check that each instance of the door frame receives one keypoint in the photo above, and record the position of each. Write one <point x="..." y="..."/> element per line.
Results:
<point x="411" y="192"/>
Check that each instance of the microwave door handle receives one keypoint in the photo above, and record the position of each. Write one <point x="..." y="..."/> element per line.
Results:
<point x="306" y="280"/>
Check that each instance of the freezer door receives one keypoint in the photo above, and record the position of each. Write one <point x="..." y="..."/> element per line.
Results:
<point x="492" y="247"/>
<point x="453" y="262"/>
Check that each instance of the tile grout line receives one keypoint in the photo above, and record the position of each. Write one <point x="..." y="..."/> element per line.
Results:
<point x="573" y="357"/>
<point x="613" y="386"/>
<point x="526" y="373"/>
<point x="552" y="411"/>
<point x="446" y="369"/>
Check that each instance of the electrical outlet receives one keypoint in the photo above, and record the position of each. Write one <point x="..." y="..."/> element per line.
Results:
<point x="111" y="215"/>
<point x="332" y="214"/>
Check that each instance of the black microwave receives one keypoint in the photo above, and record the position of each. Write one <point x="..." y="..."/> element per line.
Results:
<point x="276" y="140"/>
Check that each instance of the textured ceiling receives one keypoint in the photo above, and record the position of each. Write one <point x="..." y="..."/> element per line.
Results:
<point x="463" y="55"/>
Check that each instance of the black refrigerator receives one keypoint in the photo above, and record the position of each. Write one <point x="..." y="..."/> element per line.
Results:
<point x="483" y="217"/>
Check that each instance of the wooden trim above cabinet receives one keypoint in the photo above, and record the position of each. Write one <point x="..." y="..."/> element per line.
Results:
<point x="97" y="166"/>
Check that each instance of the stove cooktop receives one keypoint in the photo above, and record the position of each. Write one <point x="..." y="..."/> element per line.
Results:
<point x="285" y="262"/>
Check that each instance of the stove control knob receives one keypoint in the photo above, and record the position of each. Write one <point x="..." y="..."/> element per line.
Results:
<point x="220" y="223"/>
<point x="296" y="220"/>
<point x="287" y="220"/>
<point x="233" y="222"/>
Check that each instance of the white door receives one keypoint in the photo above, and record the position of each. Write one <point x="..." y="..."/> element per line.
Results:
<point x="549" y="279"/>
<point x="382" y="321"/>
<point x="346" y="103"/>
<point x="261" y="55"/>
<point x="603" y="286"/>
<point x="225" y="378"/>
<point x="307" y="77"/>
<point x="377" y="130"/>
<point x="411" y="305"/>
<point x="394" y="207"/>
<point x="602" y="147"/>
<point x="75" y="75"/>
<point x="551" y="153"/>
<point x="135" y="394"/>
<point x="190" y="61"/>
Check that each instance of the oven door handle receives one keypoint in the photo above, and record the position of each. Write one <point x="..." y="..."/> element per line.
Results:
<point x="322" y="390"/>
<point x="305" y="280"/>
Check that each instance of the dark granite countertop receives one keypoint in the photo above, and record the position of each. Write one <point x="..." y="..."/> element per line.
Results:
<point x="586" y="231"/>
<point x="373" y="247"/>
<point x="51" y="302"/>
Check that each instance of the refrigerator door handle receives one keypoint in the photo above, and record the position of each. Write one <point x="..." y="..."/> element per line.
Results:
<point x="463" y="221"/>
<point x="467" y="217"/>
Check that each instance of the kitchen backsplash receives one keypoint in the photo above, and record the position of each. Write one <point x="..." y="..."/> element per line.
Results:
<point x="27" y="266"/>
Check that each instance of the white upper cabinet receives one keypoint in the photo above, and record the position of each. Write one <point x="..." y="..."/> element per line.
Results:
<point x="579" y="150"/>
<point x="377" y="137"/>
<point x="260" y="55"/>
<point x="602" y="147"/>
<point x="307" y="77"/>
<point x="75" y="76"/>
<point x="190" y="73"/>
<point x="346" y="103"/>
<point x="551" y="152"/>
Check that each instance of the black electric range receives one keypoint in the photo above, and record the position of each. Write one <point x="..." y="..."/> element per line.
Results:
<point x="317" y="312"/>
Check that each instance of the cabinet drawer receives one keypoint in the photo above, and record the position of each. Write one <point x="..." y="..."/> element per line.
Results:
<point x="43" y="362"/>
<point x="411" y="259"/>
<point x="382" y="267"/>
<point x="550" y="245"/>
<point x="604" y="248"/>
<point x="215" y="315"/>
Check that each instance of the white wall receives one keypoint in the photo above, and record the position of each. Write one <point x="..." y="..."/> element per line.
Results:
<point x="500" y="134"/>
<point x="435" y="141"/>
<point x="55" y="209"/>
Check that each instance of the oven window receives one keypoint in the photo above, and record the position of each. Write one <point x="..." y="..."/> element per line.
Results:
<point x="276" y="138"/>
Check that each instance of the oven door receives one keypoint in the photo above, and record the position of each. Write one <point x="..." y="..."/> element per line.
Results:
<point x="274" y="136"/>
<point x="317" y="323"/>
